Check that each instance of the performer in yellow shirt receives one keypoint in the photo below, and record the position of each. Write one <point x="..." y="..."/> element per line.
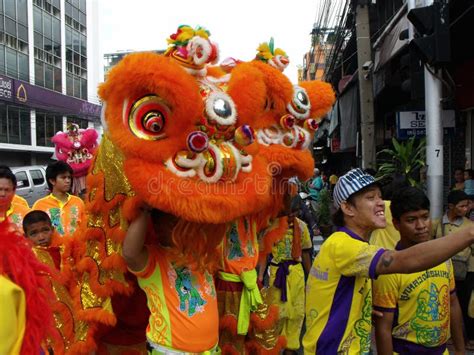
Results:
<point x="339" y="287"/>
<point x="419" y="309"/>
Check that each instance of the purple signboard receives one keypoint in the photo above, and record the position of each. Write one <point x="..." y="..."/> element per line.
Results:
<point x="6" y="89"/>
<point x="39" y="98"/>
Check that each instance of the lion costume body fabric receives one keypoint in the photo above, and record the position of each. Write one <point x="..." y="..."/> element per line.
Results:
<point x="181" y="141"/>
<point x="76" y="147"/>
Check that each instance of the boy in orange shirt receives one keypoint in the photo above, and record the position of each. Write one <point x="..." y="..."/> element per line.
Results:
<point x="39" y="230"/>
<point x="181" y="298"/>
<point x="65" y="210"/>
<point x="9" y="210"/>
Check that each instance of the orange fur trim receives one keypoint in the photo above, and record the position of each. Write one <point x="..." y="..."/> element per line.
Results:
<point x="151" y="73"/>
<point x="215" y="71"/>
<point x="279" y="92"/>
<point x="321" y="95"/>
<point x="83" y="347"/>
<point x="202" y="203"/>
<point x="205" y="253"/>
<point x="254" y="347"/>
<point x="270" y="320"/>
<point x="249" y="92"/>
<point x="273" y="235"/>
<point x="98" y="316"/>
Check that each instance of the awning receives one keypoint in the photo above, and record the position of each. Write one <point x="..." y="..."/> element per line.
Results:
<point x="333" y="118"/>
<point x="348" y="113"/>
<point x="391" y="44"/>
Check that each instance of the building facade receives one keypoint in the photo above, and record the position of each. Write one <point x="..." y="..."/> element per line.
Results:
<point x="49" y="72"/>
<point x="397" y="76"/>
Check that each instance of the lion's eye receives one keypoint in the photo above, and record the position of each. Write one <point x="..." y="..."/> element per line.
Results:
<point x="153" y="122"/>
<point x="300" y="105"/>
<point x="221" y="109"/>
<point x="147" y="117"/>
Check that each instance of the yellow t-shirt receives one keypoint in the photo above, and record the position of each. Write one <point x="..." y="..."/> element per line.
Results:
<point x="421" y="302"/>
<point x="282" y="249"/>
<point x="386" y="237"/>
<point x="18" y="200"/>
<point x="12" y="316"/>
<point x="182" y="303"/>
<point x="15" y="215"/>
<point x="65" y="217"/>
<point x="339" y="295"/>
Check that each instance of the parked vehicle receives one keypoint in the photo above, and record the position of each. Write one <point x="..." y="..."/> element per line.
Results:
<point x="31" y="182"/>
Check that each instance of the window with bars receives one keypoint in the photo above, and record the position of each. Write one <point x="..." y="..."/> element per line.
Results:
<point x="76" y="48"/>
<point x="47" y="125"/>
<point x="47" y="44"/>
<point x="15" y="127"/>
<point x="14" y="39"/>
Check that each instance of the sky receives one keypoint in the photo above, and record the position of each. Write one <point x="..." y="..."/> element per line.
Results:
<point x="238" y="27"/>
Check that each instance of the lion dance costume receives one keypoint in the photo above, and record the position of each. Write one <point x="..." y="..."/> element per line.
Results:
<point x="76" y="147"/>
<point x="180" y="137"/>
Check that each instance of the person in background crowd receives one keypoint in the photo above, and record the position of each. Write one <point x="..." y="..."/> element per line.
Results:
<point x="65" y="210"/>
<point x="332" y="181"/>
<point x="290" y="260"/>
<point x="458" y="179"/>
<point x="14" y="213"/>
<point x="339" y="287"/>
<point x="469" y="190"/>
<point x="453" y="220"/>
<point x="315" y="186"/>
<point x="419" y="309"/>
<point x="17" y="199"/>
<point x="389" y="236"/>
<point x="469" y="182"/>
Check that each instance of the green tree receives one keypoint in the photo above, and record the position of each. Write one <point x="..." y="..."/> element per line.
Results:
<point x="405" y="158"/>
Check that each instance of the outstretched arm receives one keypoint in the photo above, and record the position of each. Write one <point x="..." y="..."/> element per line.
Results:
<point x="456" y="325"/>
<point x="133" y="250"/>
<point x="383" y="333"/>
<point x="425" y="255"/>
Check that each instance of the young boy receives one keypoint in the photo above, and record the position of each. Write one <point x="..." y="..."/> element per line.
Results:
<point x="9" y="210"/>
<point x="39" y="230"/>
<point x="339" y="287"/>
<point x="182" y="299"/>
<point x="419" y="309"/>
<point x="291" y="259"/>
<point x="66" y="211"/>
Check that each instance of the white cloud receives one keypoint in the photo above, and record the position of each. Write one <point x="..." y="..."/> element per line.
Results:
<point x="237" y="26"/>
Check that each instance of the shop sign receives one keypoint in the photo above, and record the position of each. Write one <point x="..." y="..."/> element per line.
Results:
<point x="413" y="123"/>
<point x="6" y="89"/>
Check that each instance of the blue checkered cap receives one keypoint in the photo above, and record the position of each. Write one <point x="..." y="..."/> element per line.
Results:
<point x="350" y="183"/>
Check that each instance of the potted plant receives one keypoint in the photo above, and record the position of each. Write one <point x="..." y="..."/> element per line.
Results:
<point x="404" y="159"/>
<point x="323" y="213"/>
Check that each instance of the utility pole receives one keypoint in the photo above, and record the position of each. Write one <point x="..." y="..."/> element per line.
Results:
<point x="434" y="142"/>
<point x="365" y="65"/>
<point x="433" y="109"/>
